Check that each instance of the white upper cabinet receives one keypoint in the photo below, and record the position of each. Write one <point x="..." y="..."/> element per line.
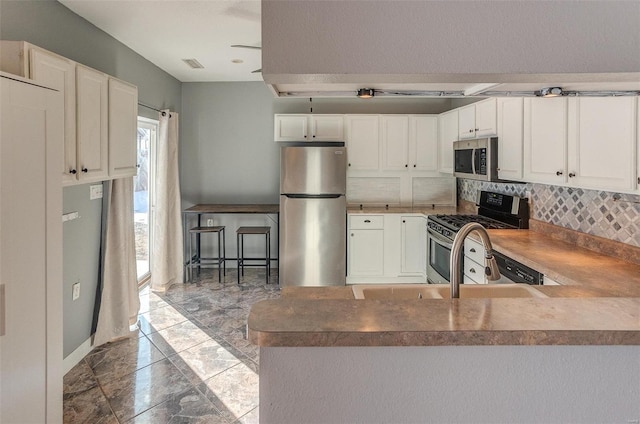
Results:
<point x="302" y="127"/>
<point x="602" y="137"/>
<point x="362" y="141"/>
<point x="123" y="124"/>
<point x="477" y="120"/>
<point x="510" y="137"/>
<point x="60" y="73"/>
<point x="88" y="130"/>
<point x="92" y="124"/>
<point x="423" y="143"/>
<point x="545" y="140"/>
<point x="447" y="134"/>
<point x="395" y="142"/>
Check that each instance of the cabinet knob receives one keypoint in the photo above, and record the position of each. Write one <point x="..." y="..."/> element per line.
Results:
<point x="472" y="270"/>
<point x="558" y="173"/>
<point x="572" y="174"/>
<point x="414" y="165"/>
<point x="314" y="136"/>
<point x="305" y="136"/>
<point x="73" y="171"/>
<point x="497" y="169"/>
<point x="351" y="234"/>
<point x="471" y="130"/>
<point x="85" y="170"/>
<point x="406" y="165"/>
<point x="349" y="164"/>
<point x="403" y="221"/>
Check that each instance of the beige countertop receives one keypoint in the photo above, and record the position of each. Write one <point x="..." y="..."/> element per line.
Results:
<point x="599" y="305"/>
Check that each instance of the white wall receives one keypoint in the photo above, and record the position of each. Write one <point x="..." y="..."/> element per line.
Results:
<point x="450" y="384"/>
<point x="447" y="40"/>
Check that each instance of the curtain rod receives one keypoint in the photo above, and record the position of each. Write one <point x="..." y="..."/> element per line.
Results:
<point x="149" y="107"/>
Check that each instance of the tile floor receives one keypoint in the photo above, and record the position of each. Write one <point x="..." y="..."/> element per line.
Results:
<point x="189" y="362"/>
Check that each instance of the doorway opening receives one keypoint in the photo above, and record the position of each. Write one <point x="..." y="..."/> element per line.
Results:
<point x="144" y="197"/>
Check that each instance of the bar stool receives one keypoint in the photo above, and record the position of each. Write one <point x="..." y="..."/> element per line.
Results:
<point x="240" y="233"/>
<point x="218" y="261"/>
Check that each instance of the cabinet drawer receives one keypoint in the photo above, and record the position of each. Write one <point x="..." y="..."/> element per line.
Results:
<point x="364" y="222"/>
<point x="474" y="271"/>
<point x="474" y="250"/>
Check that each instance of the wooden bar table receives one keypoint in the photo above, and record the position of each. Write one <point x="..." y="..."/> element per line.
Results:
<point x="214" y="209"/>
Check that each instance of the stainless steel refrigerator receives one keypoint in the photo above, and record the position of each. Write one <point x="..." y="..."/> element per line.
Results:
<point x="313" y="214"/>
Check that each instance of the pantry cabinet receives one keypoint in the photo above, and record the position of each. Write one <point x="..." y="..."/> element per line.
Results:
<point x="308" y="127"/>
<point x="510" y="112"/>
<point x="363" y="142"/>
<point x="31" y="140"/>
<point x="602" y="137"/>
<point x="88" y="112"/>
<point x="447" y="134"/>
<point x="477" y="120"/>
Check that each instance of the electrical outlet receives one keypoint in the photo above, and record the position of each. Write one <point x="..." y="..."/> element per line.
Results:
<point x="209" y="222"/>
<point x="76" y="291"/>
<point x="95" y="192"/>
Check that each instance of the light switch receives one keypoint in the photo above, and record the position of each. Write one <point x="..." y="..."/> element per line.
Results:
<point x="95" y="191"/>
<point x="76" y="291"/>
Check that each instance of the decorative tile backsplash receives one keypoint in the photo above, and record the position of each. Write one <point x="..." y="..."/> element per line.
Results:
<point x="610" y="215"/>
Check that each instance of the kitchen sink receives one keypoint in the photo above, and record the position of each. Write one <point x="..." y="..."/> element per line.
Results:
<point x="442" y="291"/>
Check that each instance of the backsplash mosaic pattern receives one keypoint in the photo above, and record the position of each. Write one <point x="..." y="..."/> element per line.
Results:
<point x="600" y="213"/>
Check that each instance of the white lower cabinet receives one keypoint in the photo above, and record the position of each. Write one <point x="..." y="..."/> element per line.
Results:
<point x="386" y="248"/>
<point x="413" y="238"/>
<point x="365" y="245"/>
<point x="473" y="258"/>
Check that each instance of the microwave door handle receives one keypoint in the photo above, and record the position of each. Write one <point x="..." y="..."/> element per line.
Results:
<point x="474" y="161"/>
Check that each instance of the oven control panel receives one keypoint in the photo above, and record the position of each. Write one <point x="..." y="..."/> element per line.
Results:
<point x="441" y="230"/>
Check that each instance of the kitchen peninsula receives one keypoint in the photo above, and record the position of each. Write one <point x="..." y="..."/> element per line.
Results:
<point x="572" y="357"/>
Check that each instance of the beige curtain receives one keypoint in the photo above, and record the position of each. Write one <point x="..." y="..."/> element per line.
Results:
<point x="119" y="303"/>
<point x="166" y="265"/>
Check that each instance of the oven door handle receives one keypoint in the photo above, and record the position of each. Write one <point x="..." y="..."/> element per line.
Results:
<point x="440" y="239"/>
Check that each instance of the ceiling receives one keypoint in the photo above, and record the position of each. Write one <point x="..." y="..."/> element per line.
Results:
<point x="167" y="31"/>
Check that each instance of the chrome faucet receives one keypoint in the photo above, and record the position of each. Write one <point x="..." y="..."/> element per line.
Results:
<point x="490" y="265"/>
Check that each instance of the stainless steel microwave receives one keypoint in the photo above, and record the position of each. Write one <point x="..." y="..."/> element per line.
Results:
<point x="476" y="159"/>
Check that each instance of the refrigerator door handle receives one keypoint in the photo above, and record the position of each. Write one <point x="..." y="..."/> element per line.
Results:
<point x="313" y="196"/>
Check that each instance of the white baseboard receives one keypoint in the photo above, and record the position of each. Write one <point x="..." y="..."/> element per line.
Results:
<point x="76" y="356"/>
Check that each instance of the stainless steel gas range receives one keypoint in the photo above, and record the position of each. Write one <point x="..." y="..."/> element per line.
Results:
<point x="495" y="211"/>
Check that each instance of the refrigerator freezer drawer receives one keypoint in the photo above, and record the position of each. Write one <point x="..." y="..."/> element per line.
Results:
<point x="312" y="241"/>
<point x="313" y="170"/>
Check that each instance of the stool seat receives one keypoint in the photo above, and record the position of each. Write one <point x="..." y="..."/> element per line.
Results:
<point x="261" y="231"/>
<point x="253" y="230"/>
<point x="199" y="262"/>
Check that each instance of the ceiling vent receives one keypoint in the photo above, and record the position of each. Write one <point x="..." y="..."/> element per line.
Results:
<point x="193" y="63"/>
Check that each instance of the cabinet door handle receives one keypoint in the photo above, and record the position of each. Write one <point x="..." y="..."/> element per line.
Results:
<point x="367" y="221"/>
<point x="406" y="165"/>
<point x="414" y="165"/>
<point x="85" y="170"/>
<point x="477" y="129"/>
<point x="403" y="221"/>
<point x="314" y="136"/>
<point x="572" y="174"/>
<point x="471" y="130"/>
<point x="558" y="173"/>
<point x="472" y="270"/>
<point x="472" y="250"/>
<point x="349" y="164"/>
<point x="73" y="171"/>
